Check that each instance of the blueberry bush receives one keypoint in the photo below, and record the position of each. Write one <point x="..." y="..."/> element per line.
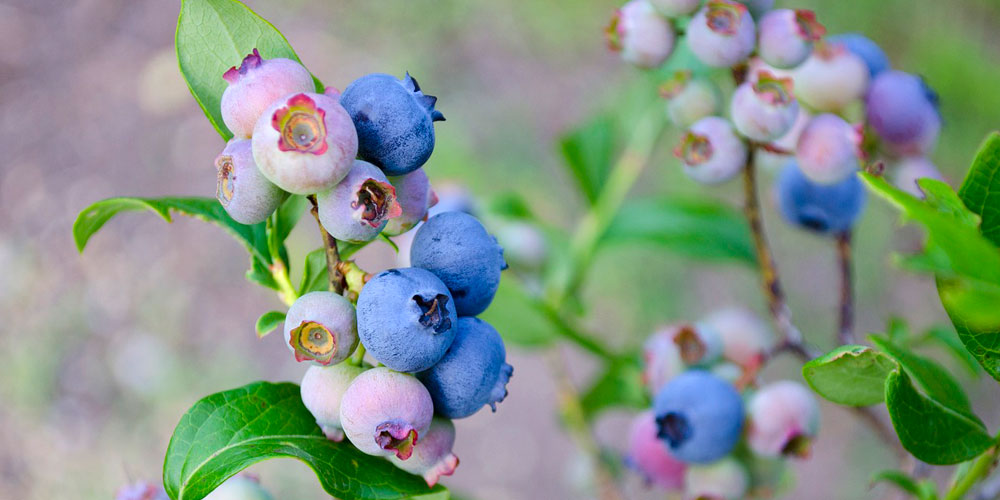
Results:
<point x="759" y="93"/>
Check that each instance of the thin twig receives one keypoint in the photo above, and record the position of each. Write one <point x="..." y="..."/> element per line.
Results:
<point x="845" y="335"/>
<point x="333" y="273"/>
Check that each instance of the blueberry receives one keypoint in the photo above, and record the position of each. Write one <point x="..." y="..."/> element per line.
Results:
<point x="690" y="99"/>
<point x="722" y="33"/>
<point x="472" y="374"/>
<point x="256" y="84"/>
<point x="650" y="457"/>
<point x="432" y="456"/>
<point x="456" y="247"/>
<point x="787" y="36"/>
<point x="360" y="205"/>
<point x="305" y="143"/>
<point x="831" y="78"/>
<point x="783" y="419"/>
<point x="415" y="197"/>
<point x="406" y="318"/>
<point x="643" y="36"/>
<point x="828" y="149"/>
<point x="902" y="109"/>
<point x="700" y="416"/>
<point x="320" y="327"/>
<point x="661" y="358"/>
<point x="394" y="120"/>
<point x="764" y="110"/>
<point x="862" y="46"/>
<point x="247" y="196"/>
<point x="746" y="338"/>
<point x="822" y="208"/>
<point x="386" y="413"/>
<point x="323" y="388"/>
<point x="711" y="152"/>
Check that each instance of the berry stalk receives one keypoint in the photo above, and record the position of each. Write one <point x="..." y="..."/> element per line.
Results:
<point x="845" y="334"/>
<point x="334" y="275"/>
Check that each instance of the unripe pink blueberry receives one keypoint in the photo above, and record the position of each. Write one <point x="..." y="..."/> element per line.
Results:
<point x="787" y="36"/>
<point x="903" y="111"/>
<point x="773" y="161"/>
<point x="247" y="196"/>
<point x="642" y="35"/>
<point x="321" y="327"/>
<point x="909" y="170"/>
<point x="828" y="149"/>
<point x="385" y="412"/>
<point x="711" y="152"/>
<point x="305" y="143"/>
<point x="360" y="205"/>
<point x="433" y="456"/>
<point x="415" y="196"/>
<point x="764" y="110"/>
<point x="255" y="85"/>
<point x="831" y="78"/>
<point x="726" y="479"/>
<point x="675" y="8"/>
<point x="649" y="456"/>
<point x="722" y="33"/>
<point x="690" y="99"/>
<point x="240" y="487"/>
<point x="322" y="389"/>
<point x="783" y="419"/>
<point x="671" y="349"/>
<point x="746" y="338"/>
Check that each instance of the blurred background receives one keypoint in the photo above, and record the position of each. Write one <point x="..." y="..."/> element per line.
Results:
<point x="101" y="354"/>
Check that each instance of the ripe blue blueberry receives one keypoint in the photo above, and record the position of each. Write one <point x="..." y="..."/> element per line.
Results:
<point x="831" y="78"/>
<point x="902" y="109"/>
<point x="764" y="110"/>
<point x="823" y="208"/>
<point x="862" y="46"/>
<point x="456" y="247"/>
<point x="406" y="318"/>
<point x="360" y="205"/>
<point x="787" y="36"/>
<point x="700" y="416"/>
<point x="643" y="36"/>
<point x="690" y="99"/>
<point x="320" y="327"/>
<point x="828" y="149"/>
<point x="711" y="152"/>
<point x="722" y="33"/>
<point x="247" y="196"/>
<point x="472" y="374"/>
<point x="394" y="120"/>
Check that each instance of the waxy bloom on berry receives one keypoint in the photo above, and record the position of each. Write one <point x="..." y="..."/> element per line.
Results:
<point x="902" y="109"/>
<point x="722" y="33"/>
<point x="323" y="388"/>
<point x="321" y="327"/>
<point x="415" y="197"/>
<point x="700" y="416"/>
<point x="711" y="152"/>
<point x="764" y="110"/>
<point x="360" y="205"/>
<point x="783" y="420"/>
<point x="386" y="413"/>
<point x="256" y="84"/>
<point x="787" y="36"/>
<point x="828" y="149"/>
<point x="831" y="78"/>
<point x="690" y="99"/>
<point x="247" y="196"/>
<point x="643" y="36"/>
<point x="433" y="456"/>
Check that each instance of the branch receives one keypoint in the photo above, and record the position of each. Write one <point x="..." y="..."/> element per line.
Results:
<point x="845" y="334"/>
<point x="333" y="273"/>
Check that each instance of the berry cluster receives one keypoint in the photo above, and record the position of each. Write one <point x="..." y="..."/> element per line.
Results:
<point x="817" y="107"/>
<point x="360" y="154"/>
<point x="695" y="373"/>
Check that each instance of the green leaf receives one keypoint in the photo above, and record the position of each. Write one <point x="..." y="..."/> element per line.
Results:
<point x="268" y="321"/>
<point x="850" y="375"/>
<point x="930" y="431"/>
<point x="923" y="490"/>
<point x="516" y="315"/>
<point x="314" y="277"/>
<point x="92" y="218"/>
<point x="589" y="153"/>
<point x="512" y="206"/>
<point x="227" y="432"/>
<point x="969" y="307"/>
<point x="619" y="386"/>
<point x="700" y="229"/>
<point x="932" y="377"/>
<point x="947" y="338"/>
<point x="215" y="35"/>
<point x="981" y="189"/>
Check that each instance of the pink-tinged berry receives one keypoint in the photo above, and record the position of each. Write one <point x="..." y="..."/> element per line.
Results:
<point x="828" y="149"/>
<point x="360" y="205"/>
<point x="783" y="420"/>
<point x="255" y="85"/>
<point x="746" y="338"/>
<point x="690" y="99"/>
<point x="722" y="33"/>
<point x="787" y="36"/>
<point x="910" y="170"/>
<point x="671" y="349"/>
<point x="321" y="327"/>
<point x="902" y="109"/>
<point x="650" y="457"/>
<point x="432" y="457"/>
<point x="726" y="479"/>
<point x="675" y="8"/>
<point x="323" y="388"/>
<point x="141" y="490"/>
<point x="764" y="110"/>
<point x="386" y="413"/>
<point x="415" y="196"/>
<point x="643" y="36"/>
<point x="241" y="487"/>
<point x="305" y="143"/>
<point x="784" y="146"/>
<point x="831" y="78"/>
<point x="247" y="196"/>
<point x="711" y="152"/>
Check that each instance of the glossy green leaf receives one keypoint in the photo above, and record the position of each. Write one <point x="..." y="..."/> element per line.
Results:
<point x="620" y="385"/>
<point x="981" y="189"/>
<point x="927" y="429"/>
<point x="516" y="315"/>
<point x="850" y="375"/>
<point x="215" y="35"/>
<point x="227" y="432"/>
<point x="699" y="229"/>
<point x="922" y="489"/>
<point x="589" y="152"/>
<point x="268" y="322"/>
<point x="932" y="377"/>
<point x="947" y="338"/>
